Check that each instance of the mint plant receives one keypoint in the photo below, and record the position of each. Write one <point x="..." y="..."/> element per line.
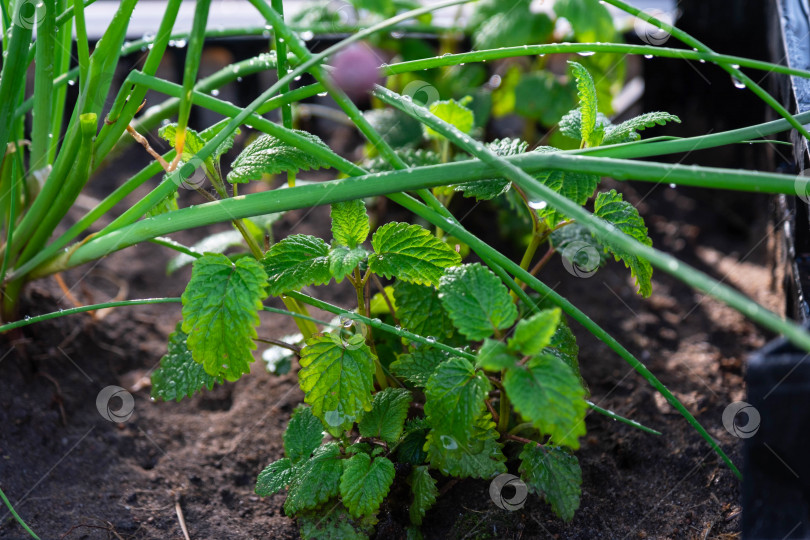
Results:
<point x="510" y="384"/>
<point x="455" y="360"/>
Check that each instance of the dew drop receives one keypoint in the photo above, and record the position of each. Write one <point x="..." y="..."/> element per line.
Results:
<point x="215" y="92"/>
<point x="346" y="322"/>
<point x="737" y="83"/>
<point x="538" y="205"/>
<point x="648" y="56"/>
<point x="306" y="35"/>
<point x="673" y="186"/>
<point x="586" y="53"/>
<point x="448" y="442"/>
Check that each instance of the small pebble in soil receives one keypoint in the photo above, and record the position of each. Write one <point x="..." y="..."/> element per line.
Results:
<point x="357" y="70"/>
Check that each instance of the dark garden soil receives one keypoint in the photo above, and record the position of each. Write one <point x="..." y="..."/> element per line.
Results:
<point x="73" y="474"/>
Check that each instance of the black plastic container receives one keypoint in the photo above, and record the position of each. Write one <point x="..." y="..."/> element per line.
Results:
<point x="776" y="474"/>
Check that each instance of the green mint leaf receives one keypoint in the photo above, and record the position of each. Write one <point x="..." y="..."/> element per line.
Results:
<point x="548" y="393"/>
<point x="397" y="129"/>
<point x="365" y="483"/>
<point x="541" y="96"/>
<point x="358" y="447"/>
<point x="379" y="304"/>
<point x="337" y="379"/>
<point x="295" y="262"/>
<point x="350" y="225"/>
<point x="275" y="477"/>
<point x="555" y="473"/>
<point x="386" y="418"/>
<point x="578" y="187"/>
<point x="476" y="300"/>
<point x="420" y="310"/>
<point x="410" y="253"/>
<point x="167" y="204"/>
<point x="225" y="145"/>
<point x="479" y="457"/>
<point x="220" y="313"/>
<point x="513" y="27"/>
<point x="411" y="449"/>
<point x="564" y="346"/>
<point x="192" y="145"/>
<point x="627" y="130"/>
<point x="195" y="141"/>
<point x="624" y="216"/>
<point x="532" y="335"/>
<point x="586" y="91"/>
<point x="454" y="398"/>
<point x="268" y="155"/>
<point x="412" y="158"/>
<point x="336" y="523"/>
<point x="418" y="366"/>
<point x="423" y="487"/>
<point x="316" y="480"/>
<point x="495" y="356"/>
<point x="484" y="190"/>
<point x="453" y="112"/>
<point x="590" y="20"/>
<point x="303" y="435"/>
<point x="179" y="375"/>
<point x="386" y="8"/>
<point x="343" y="261"/>
<point x="571" y="124"/>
